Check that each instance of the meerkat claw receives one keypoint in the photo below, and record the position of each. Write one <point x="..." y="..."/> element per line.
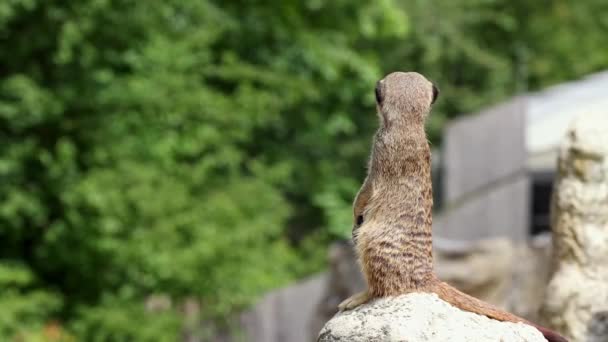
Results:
<point x="354" y="301"/>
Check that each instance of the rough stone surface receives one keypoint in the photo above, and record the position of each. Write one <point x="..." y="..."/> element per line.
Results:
<point x="576" y="302"/>
<point x="481" y="268"/>
<point x="529" y="277"/>
<point x="488" y="269"/>
<point x="420" y="317"/>
<point x="344" y="280"/>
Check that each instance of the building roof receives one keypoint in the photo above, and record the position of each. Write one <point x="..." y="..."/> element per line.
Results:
<point x="550" y="112"/>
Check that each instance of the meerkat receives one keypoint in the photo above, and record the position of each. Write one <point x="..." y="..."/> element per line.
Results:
<point x="392" y="210"/>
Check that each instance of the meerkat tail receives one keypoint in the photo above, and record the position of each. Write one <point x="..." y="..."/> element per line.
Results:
<point x="465" y="302"/>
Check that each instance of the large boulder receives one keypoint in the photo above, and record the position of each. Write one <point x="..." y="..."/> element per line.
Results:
<point x="487" y="269"/>
<point x="576" y="302"/>
<point x="418" y="317"/>
<point x="483" y="269"/>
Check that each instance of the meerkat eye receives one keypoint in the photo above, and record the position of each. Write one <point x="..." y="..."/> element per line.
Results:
<point x="359" y="220"/>
<point x="378" y="94"/>
<point x="435" y="94"/>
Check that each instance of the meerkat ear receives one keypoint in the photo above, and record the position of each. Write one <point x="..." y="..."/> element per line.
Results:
<point x="378" y="93"/>
<point x="435" y="94"/>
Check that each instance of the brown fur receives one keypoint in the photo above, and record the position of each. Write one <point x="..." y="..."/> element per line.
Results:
<point x="393" y="209"/>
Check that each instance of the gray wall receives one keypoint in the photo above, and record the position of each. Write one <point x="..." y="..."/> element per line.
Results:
<point x="501" y="210"/>
<point x="286" y="315"/>
<point x="486" y="186"/>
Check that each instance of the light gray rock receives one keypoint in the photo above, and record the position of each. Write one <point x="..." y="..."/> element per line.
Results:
<point x="419" y="317"/>
<point x="529" y="277"/>
<point x="576" y="301"/>
<point x="482" y="269"/>
<point x="488" y="269"/>
<point x="344" y="280"/>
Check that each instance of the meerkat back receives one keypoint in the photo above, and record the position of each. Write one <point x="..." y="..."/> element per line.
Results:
<point x="392" y="212"/>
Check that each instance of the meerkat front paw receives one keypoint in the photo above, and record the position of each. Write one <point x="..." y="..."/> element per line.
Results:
<point x="354" y="301"/>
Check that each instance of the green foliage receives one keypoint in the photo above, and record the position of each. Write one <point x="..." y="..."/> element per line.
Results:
<point x="211" y="149"/>
<point x="480" y="52"/>
<point x="24" y="308"/>
<point x="123" y="321"/>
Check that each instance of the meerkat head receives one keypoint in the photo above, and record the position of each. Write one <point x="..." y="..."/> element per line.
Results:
<point x="404" y="97"/>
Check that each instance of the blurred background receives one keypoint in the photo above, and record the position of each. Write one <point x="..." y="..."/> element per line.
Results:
<point x="164" y="164"/>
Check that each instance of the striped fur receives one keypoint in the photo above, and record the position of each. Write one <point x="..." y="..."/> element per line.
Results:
<point x="394" y="205"/>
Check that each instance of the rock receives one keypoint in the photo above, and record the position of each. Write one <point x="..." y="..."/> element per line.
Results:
<point x="576" y="300"/>
<point x="530" y="276"/>
<point x="492" y="270"/>
<point x="418" y="317"/>
<point x="344" y="279"/>
<point x="481" y="268"/>
<point x="487" y="269"/>
<point x="598" y="327"/>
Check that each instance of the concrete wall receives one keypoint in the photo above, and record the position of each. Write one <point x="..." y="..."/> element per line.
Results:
<point x="501" y="210"/>
<point x="286" y="315"/>
<point x="484" y="148"/>
<point x="486" y="186"/>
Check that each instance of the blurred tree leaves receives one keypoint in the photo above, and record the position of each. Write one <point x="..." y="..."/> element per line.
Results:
<point x="162" y="148"/>
<point x="211" y="149"/>
<point x="480" y="52"/>
<point x="25" y="310"/>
